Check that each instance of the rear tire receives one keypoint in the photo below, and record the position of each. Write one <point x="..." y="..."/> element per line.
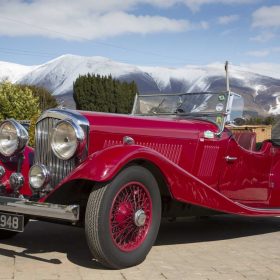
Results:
<point x="122" y="218"/>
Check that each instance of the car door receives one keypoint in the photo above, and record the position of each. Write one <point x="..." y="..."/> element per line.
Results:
<point x="246" y="173"/>
<point x="208" y="160"/>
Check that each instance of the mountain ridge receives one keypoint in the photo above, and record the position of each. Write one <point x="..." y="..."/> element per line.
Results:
<point x="261" y="93"/>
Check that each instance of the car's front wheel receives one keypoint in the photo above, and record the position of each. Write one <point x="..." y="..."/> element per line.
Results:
<point x="122" y="218"/>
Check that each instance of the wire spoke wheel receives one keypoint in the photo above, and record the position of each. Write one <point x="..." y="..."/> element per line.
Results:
<point x="131" y="216"/>
<point x="123" y="217"/>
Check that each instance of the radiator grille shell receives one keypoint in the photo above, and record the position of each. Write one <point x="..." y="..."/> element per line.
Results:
<point x="58" y="168"/>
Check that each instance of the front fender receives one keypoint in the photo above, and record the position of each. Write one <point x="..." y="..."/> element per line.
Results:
<point x="104" y="165"/>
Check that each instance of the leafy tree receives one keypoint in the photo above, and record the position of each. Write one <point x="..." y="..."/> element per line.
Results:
<point x="19" y="103"/>
<point x="103" y="94"/>
<point x="16" y="102"/>
<point x="46" y="100"/>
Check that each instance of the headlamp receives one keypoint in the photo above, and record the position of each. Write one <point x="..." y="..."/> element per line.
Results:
<point x="39" y="176"/>
<point x="68" y="138"/>
<point x="13" y="138"/>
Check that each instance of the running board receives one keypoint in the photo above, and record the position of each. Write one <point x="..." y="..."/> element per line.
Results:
<point x="260" y="211"/>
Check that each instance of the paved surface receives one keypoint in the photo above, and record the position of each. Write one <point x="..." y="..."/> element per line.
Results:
<point x="217" y="248"/>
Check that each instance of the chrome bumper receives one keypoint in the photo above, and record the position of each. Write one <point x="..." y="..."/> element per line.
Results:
<point x="47" y="210"/>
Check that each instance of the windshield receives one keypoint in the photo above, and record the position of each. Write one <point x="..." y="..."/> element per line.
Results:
<point x="210" y="106"/>
<point x="237" y="111"/>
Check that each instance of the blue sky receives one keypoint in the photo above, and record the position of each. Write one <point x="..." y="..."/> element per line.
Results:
<point x="156" y="32"/>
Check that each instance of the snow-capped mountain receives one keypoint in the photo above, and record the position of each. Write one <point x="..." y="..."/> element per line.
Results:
<point x="59" y="74"/>
<point x="13" y="72"/>
<point x="261" y="93"/>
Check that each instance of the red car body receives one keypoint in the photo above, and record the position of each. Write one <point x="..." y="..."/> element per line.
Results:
<point x="196" y="173"/>
<point x="194" y="168"/>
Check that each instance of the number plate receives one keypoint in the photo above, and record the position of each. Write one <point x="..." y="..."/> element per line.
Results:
<point x="11" y="222"/>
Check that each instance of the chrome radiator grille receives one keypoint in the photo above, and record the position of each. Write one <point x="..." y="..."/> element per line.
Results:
<point x="59" y="169"/>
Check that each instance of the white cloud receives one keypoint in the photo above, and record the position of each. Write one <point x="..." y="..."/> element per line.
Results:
<point x="228" y="32"/>
<point x="203" y="25"/>
<point x="195" y="5"/>
<point x="267" y="17"/>
<point x="224" y="20"/>
<point x="276" y="49"/>
<point x="263" y="37"/>
<point x="264" y="53"/>
<point x="259" y="53"/>
<point x="78" y="20"/>
<point x="94" y="19"/>
<point x="267" y="69"/>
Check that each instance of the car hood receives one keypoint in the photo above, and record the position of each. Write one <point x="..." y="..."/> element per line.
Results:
<point x="147" y="126"/>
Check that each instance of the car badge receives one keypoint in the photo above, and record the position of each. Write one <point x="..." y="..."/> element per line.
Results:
<point x="208" y="134"/>
<point x="221" y="97"/>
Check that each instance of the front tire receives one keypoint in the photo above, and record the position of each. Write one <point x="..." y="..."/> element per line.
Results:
<point x="122" y="218"/>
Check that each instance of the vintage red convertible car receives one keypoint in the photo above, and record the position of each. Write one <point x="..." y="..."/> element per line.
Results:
<point x="117" y="175"/>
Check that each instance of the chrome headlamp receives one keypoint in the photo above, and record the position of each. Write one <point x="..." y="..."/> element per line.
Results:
<point x="68" y="138"/>
<point x="39" y="176"/>
<point x="13" y="138"/>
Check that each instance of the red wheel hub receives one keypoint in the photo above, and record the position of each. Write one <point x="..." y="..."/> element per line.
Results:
<point x="123" y="212"/>
<point x="130" y="216"/>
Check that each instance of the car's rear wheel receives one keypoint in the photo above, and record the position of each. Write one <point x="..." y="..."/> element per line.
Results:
<point x="122" y="218"/>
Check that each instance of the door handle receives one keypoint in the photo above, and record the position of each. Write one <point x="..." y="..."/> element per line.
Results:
<point x="230" y="159"/>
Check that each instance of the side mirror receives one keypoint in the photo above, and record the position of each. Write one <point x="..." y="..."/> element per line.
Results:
<point x="239" y="121"/>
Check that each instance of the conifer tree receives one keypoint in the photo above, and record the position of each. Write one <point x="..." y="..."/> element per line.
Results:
<point x="103" y="94"/>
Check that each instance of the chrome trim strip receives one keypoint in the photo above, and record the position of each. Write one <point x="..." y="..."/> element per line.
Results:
<point x="69" y="213"/>
<point x="182" y="93"/>
<point x="63" y="114"/>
